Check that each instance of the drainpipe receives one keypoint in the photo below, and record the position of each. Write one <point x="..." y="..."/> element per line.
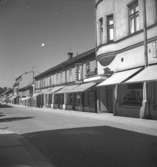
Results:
<point x="115" y="100"/>
<point x="144" y="112"/>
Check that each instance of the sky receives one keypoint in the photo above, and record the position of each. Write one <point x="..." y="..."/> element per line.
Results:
<point x="37" y="34"/>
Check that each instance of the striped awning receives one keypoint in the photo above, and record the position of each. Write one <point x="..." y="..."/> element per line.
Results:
<point x="67" y="89"/>
<point x="119" y="77"/>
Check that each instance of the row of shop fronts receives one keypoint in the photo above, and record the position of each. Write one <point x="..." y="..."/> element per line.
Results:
<point x="113" y="78"/>
<point x="79" y="97"/>
<point x="123" y="94"/>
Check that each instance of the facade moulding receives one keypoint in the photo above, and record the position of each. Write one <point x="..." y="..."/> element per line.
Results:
<point x="98" y="2"/>
<point x="67" y="64"/>
<point x="100" y="55"/>
<point x="134" y="38"/>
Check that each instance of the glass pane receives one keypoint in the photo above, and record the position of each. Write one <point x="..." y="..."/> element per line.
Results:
<point x="132" y="26"/>
<point x="137" y="23"/>
<point x="111" y="32"/>
<point x="110" y="21"/>
<point x="137" y="8"/>
<point x="131" y="11"/>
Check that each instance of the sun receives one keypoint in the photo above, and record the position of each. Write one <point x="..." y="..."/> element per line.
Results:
<point x="43" y="44"/>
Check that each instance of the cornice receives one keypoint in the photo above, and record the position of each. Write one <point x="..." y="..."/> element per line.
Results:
<point x="97" y="3"/>
<point x="125" y="48"/>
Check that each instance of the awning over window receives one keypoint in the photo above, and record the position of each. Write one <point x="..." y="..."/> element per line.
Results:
<point x="119" y="77"/>
<point x="36" y="94"/>
<point x="13" y="97"/>
<point x="84" y="87"/>
<point x="147" y="74"/>
<point x="54" y="89"/>
<point x="25" y="98"/>
<point x="67" y="89"/>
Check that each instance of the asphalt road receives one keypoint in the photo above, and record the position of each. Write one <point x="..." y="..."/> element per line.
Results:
<point x="73" y="141"/>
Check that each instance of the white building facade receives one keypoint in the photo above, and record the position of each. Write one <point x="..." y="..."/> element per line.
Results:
<point x="131" y="90"/>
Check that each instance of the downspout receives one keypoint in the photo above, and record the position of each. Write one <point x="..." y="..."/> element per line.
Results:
<point x="145" y="109"/>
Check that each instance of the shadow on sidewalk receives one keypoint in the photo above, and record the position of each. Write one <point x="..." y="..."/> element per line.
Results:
<point x="14" y="119"/>
<point x="96" y="147"/>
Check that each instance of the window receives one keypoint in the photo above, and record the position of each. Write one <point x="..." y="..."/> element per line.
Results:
<point x="91" y="68"/>
<point x="79" y="72"/>
<point x="133" y="17"/>
<point x="101" y="30"/>
<point x="110" y="28"/>
<point x="87" y="68"/>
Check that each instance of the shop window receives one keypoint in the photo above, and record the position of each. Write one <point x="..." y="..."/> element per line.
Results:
<point x="110" y="28"/>
<point x="133" y="17"/>
<point x="131" y="95"/>
<point x="78" y="99"/>
<point x="69" y="98"/>
<point x="56" y="99"/>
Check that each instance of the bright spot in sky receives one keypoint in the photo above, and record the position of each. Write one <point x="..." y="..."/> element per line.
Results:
<point x="43" y="44"/>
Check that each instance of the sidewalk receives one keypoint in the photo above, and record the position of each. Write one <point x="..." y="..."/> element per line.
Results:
<point x="132" y="124"/>
<point x="15" y="151"/>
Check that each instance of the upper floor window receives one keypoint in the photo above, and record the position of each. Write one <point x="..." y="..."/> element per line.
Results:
<point x="110" y="28"/>
<point x="101" y="30"/>
<point x="79" y="72"/>
<point x="133" y="17"/>
<point x="91" y="68"/>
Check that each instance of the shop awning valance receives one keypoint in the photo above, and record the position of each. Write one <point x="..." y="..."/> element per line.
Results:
<point x="67" y="89"/>
<point x="147" y="74"/>
<point x="54" y="89"/>
<point x="119" y="77"/>
<point x="84" y="87"/>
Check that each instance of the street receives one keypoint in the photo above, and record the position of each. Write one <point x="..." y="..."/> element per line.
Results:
<point x="73" y="141"/>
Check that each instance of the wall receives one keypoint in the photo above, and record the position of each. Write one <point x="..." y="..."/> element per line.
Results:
<point x="105" y="8"/>
<point x="120" y="10"/>
<point x="134" y="58"/>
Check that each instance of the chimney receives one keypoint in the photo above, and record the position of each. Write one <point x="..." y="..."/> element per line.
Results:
<point x="70" y="55"/>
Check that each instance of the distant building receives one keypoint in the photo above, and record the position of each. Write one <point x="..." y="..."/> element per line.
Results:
<point x="23" y="89"/>
<point x="69" y="85"/>
<point x="6" y="96"/>
<point x="25" y="95"/>
<point x="132" y="88"/>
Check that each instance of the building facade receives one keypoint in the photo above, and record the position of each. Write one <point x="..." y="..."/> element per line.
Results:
<point x="23" y="89"/>
<point x="69" y="85"/>
<point x="127" y="49"/>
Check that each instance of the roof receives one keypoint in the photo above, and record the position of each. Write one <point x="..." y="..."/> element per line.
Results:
<point x="9" y="90"/>
<point x="66" y="63"/>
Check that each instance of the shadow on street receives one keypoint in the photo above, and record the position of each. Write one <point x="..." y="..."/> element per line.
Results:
<point x="2" y="114"/>
<point x="5" y="106"/>
<point x="96" y="147"/>
<point x="14" y="119"/>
